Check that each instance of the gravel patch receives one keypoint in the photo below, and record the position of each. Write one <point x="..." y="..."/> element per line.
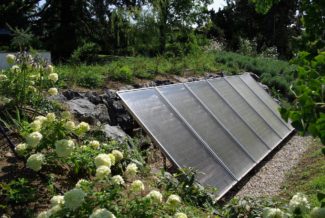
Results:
<point x="268" y="180"/>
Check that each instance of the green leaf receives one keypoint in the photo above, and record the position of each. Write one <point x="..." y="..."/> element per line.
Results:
<point x="320" y="196"/>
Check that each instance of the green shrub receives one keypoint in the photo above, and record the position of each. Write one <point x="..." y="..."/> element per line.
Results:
<point x="87" y="53"/>
<point x="123" y="73"/>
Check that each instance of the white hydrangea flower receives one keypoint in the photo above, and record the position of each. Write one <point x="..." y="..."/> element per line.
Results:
<point x="32" y="89"/>
<point x="118" y="155"/>
<point x="74" y="198"/>
<point x="174" y="200"/>
<point x="3" y="77"/>
<point x="35" y="161"/>
<point x="53" y="91"/>
<point x="56" y="200"/>
<point x="54" y="209"/>
<point x="299" y="202"/>
<point x="83" y="127"/>
<point x="70" y="125"/>
<point x="50" y="117"/>
<point x="102" y="172"/>
<point x="155" y="196"/>
<point x="50" y="68"/>
<point x="53" y="77"/>
<point x="10" y="58"/>
<point x="180" y="215"/>
<point x="273" y="213"/>
<point x="137" y="186"/>
<point x="64" y="147"/>
<point x="15" y="68"/>
<point x="21" y="148"/>
<point x="317" y="212"/>
<point x="66" y="115"/>
<point x="103" y="160"/>
<point x="112" y="157"/>
<point x="131" y="169"/>
<point x="34" y="139"/>
<point x="94" y="143"/>
<point x="44" y="214"/>
<point x="42" y="119"/>
<point x="118" y="180"/>
<point x="36" y="125"/>
<point x="82" y="182"/>
<point x="102" y="213"/>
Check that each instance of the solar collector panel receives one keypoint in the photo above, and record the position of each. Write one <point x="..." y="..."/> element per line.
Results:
<point x="230" y="119"/>
<point x="258" y="105"/>
<point x="212" y="125"/>
<point x="247" y="113"/>
<point x="209" y="129"/>
<point x="264" y="96"/>
<point x="170" y="132"/>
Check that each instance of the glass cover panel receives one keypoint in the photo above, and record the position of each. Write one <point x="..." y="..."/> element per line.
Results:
<point x="208" y="128"/>
<point x="246" y="112"/>
<point x="174" y="137"/>
<point x="230" y="119"/>
<point x="258" y="105"/>
<point x="257" y="89"/>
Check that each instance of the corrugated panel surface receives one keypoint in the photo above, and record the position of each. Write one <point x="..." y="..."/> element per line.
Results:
<point x="222" y="127"/>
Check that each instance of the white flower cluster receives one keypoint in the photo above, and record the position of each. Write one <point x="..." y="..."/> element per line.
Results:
<point x="74" y="198"/>
<point x="137" y="186"/>
<point x="156" y="196"/>
<point x="35" y="161"/>
<point x="64" y="147"/>
<point x="180" y="215"/>
<point x="118" y="180"/>
<point x="102" y="213"/>
<point x="81" y="183"/>
<point x="70" y="125"/>
<point x="34" y="139"/>
<point x="57" y="200"/>
<point x="82" y="128"/>
<point x="21" y="148"/>
<point x="131" y="170"/>
<point x="53" y="91"/>
<point x="103" y="160"/>
<point x="10" y="59"/>
<point x="273" y="213"/>
<point x="173" y="200"/>
<point x="54" y="77"/>
<point x="118" y="155"/>
<point x="3" y="77"/>
<point x="94" y="144"/>
<point x="102" y="172"/>
<point x="50" y="212"/>
<point x="299" y="202"/>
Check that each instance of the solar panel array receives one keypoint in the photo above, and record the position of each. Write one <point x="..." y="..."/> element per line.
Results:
<point x="222" y="127"/>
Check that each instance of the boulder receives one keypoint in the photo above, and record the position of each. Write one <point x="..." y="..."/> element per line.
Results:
<point x="83" y="109"/>
<point x="114" y="132"/>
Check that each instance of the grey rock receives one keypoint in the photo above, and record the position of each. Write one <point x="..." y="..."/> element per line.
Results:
<point x="60" y="98"/>
<point x="114" y="132"/>
<point x="101" y="113"/>
<point x="69" y="94"/>
<point x="83" y="109"/>
<point x="93" y="97"/>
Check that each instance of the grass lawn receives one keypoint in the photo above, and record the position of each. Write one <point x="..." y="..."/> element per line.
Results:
<point x="308" y="176"/>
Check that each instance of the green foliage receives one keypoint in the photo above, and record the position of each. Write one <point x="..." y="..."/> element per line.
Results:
<point x="17" y="191"/>
<point x="22" y="39"/>
<point x="122" y="73"/>
<point x="26" y="80"/>
<point x="87" y="53"/>
<point x="307" y="111"/>
<point x="184" y="184"/>
<point x="247" y="207"/>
